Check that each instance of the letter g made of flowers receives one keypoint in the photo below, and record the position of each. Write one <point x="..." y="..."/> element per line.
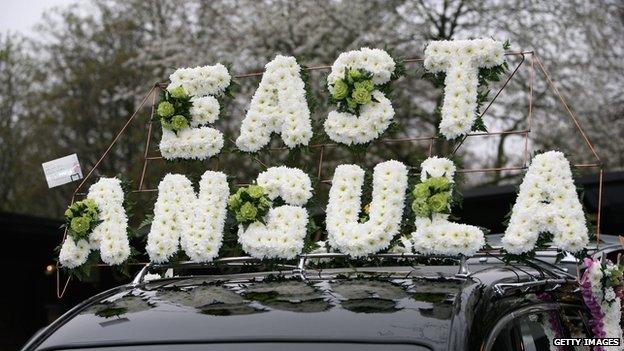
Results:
<point x="281" y="233"/>
<point x="182" y="219"/>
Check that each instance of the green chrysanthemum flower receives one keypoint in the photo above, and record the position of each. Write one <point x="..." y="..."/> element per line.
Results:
<point x="438" y="202"/>
<point x="165" y="109"/>
<point x="248" y="211"/>
<point x="365" y="84"/>
<point x="178" y="93"/>
<point x="178" y="122"/>
<point x="421" y="191"/>
<point x="361" y="96"/>
<point x="234" y="201"/>
<point x="255" y="191"/>
<point x="420" y="208"/>
<point x="354" y="75"/>
<point x="439" y="183"/>
<point x="80" y="225"/>
<point x="69" y="214"/>
<point x="341" y="90"/>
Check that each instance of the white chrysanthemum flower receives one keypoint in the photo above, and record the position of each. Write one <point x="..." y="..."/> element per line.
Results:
<point x="279" y="105"/>
<point x="438" y="235"/>
<point x="345" y="233"/>
<point x="191" y="143"/>
<point x="461" y="60"/>
<point x="195" y="223"/>
<point x="201" y="81"/>
<point x="547" y="202"/>
<point x="286" y="226"/>
<point x="375" y="117"/>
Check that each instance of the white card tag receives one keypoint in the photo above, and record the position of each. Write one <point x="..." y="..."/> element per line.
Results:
<point x="62" y="170"/>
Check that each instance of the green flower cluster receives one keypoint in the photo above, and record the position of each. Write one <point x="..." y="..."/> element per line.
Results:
<point x="249" y="204"/>
<point x="174" y="109"/>
<point x="431" y="196"/>
<point x="81" y="217"/>
<point x="354" y="90"/>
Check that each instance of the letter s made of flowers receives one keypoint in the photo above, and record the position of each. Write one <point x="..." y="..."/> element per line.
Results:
<point x="547" y="203"/>
<point x="279" y="105"/>
<point x="188" y="106"/>
<point x="100" y="224"/>
<point x="183" y="219"/>
<point x="435" y="234"/>
<point x="282" y="232"/>
<point x="345" y="232"/>
<point x="460" y="60"/>
<point x="357" y="85"/>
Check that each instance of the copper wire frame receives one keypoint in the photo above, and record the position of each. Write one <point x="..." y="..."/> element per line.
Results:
<point x="532" y="58"/>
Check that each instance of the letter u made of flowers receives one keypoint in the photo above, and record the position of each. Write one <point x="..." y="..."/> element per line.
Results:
<point x="358" y="83"/>
<point x="547" y="203"/>
<point x="193" y="222"/>
<point x="188" y="106"/>
<point x="345" y="232"/>
<point x="265" y="231"/>
<point x="97" y="223"/>
<point x="278" y="106"/>
<point x="460" y="61"/>
<point x="433" y="197"/>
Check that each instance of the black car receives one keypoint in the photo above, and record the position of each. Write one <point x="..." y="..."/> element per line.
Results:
<point x="385" y="302"/>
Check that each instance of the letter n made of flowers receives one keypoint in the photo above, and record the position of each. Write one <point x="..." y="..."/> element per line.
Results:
<point x="182" y="219"/>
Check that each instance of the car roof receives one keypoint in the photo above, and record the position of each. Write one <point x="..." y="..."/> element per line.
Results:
<point x="415" y="304"/>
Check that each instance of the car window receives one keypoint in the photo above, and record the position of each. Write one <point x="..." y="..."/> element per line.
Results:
<point x="536" y="331"/>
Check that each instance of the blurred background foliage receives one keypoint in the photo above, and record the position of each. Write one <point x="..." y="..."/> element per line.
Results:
<point x="72" y="86"/>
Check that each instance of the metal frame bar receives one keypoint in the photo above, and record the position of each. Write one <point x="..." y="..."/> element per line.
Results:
<point x="534" y="60"/>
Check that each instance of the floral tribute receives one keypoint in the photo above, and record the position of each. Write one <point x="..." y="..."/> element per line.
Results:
<point x="358" y="84"/>
<point x="188" y="106"/>
<point x="279" y="105"/>
<point x="460" y="61"/>
<point x="602" y="287"/>
<point x="281" y="232"/>
<point x="185" y="220"/>
<point x="547" y="204"/>
<point x="345" y="232"/>
<point x="435" y="234"/>
<point x="99" y="222"/>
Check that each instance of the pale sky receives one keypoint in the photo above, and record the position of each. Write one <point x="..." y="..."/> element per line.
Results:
<point x="19" y="16"/>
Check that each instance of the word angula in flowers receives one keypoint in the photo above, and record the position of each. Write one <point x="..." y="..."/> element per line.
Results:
<point x="273" y="219"/>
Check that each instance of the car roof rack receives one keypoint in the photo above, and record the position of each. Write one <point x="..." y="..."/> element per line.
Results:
<point x="303" y="260"/>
